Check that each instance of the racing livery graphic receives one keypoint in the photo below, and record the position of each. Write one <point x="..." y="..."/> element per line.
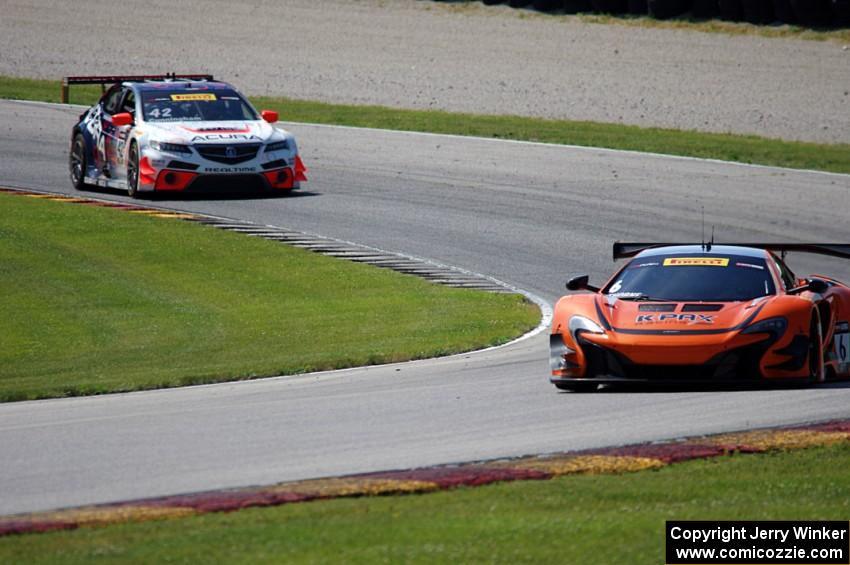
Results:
<point x="178" y="133"/>
<point x="685" y="313"/>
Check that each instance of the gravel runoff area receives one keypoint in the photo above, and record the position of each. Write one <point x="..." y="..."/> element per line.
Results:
<point x="456" y="57"/>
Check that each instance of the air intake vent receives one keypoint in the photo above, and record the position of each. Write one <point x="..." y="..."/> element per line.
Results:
<point x="229" y="154"/>
<point x="657" y="308"/>
<point x="182" y="165"/>
<point x="702" y="307"/>
<point x="274" y="164"/>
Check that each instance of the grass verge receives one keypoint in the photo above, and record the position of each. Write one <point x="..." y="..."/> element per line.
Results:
<point x="572" y="519"/>
<point x="727" y="147"/>
<point x="97" y="300"/>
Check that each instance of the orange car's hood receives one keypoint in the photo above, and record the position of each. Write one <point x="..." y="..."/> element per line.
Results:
<point x="674" y="317"/>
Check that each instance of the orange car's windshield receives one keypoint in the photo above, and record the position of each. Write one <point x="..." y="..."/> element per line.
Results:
<point x="695" y="277"/>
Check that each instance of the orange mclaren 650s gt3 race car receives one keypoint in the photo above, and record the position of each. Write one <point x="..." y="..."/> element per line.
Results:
<point x="679" y="313"/>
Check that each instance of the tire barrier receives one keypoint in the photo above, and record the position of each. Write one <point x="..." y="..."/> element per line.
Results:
<point x="730" y="10"/>
<point x="705" y="9"/>
<point x="812" y="13"/>
<point x="808" y="13"/>
<point x="841" y="12"/>
<point x="664" y="9"/>
<point x="611" y="6"/>
<point x="758" y="11"/>
<point x="576" y="6"/>
<point x="547" y="5"/>
<point x="783" y="11"/>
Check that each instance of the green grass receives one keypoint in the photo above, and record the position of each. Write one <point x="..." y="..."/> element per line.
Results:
<point x="727" y="147"/>
<point x="578" y="519"/>
<point x="98" y="300"/>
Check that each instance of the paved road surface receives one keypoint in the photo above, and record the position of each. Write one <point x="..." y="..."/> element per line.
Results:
<point x="527" y="214"/>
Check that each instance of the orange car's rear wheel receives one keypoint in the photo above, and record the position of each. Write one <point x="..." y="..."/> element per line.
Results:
<point x="816" y="369"/>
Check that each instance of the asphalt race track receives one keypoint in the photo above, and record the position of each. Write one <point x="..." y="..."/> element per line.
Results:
<point x="527" y="214"/>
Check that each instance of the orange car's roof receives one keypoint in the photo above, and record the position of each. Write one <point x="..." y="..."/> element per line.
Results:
<point x="699" y="249"/>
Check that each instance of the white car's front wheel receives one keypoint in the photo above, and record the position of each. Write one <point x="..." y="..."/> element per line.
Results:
<point x="133" y="171"/>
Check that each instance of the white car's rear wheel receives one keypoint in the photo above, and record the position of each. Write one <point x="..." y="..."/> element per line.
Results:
<point x="77" y="162"/>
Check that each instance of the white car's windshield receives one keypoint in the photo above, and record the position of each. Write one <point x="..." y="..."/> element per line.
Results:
<point x="195" y="106"/>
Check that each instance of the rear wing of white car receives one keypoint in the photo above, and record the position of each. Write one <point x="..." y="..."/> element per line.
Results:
<point x="112" y="79"/>
<point x="623" y="250"/>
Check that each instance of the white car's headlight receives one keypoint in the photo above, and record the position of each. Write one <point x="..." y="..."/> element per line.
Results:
<point x="277" y="146"/>
<point x="170" y="147"/>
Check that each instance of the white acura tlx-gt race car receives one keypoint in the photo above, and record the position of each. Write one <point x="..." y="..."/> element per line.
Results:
<point x="150" y="134"/>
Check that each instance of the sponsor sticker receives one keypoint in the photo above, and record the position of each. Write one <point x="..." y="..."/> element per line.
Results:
<point x="842" y="347"/>
<point x="749" y="266"/>
<point x="696" y="262"/>
<point x="207" y="97"/>
<point x="681" y="318"/>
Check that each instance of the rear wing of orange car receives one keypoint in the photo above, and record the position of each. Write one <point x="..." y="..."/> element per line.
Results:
<point x="623" y="250"/>
<point x="112" y="79"/>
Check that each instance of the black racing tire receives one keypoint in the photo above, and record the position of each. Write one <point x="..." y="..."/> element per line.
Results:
<point x="77" y="162"/>
<point x="758" y="12"/>
<point x="731" y="10"/>
<point x="841" y="13"/>
<point x="665" y="9"/>
<point x="815" y="356"/>
<point x="577" y="387"/>
<point x="577" y="6"/>
<point x="704" y="9"/>
<point x="133" y="171"/>
<point x="546" y="5"/>
<point x="812" y="13"/>
<point x="784" y="12"/>
<point x="611" y="6"/>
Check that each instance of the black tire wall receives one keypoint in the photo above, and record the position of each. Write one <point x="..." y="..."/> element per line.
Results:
<point x="730" y="10"/>
<point x="758" y="11"/>
<point x="841" y="12"/>
<point x="576" y="6"/>
<point x="547" y="5"/>
<point x="808" y="13"/>
<point x="783" y="11"/>
<point x="663" y="9"/>
<point x="812" y="12"/>
<point x="611" y="6"/>
<point x="705" y="9"/>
